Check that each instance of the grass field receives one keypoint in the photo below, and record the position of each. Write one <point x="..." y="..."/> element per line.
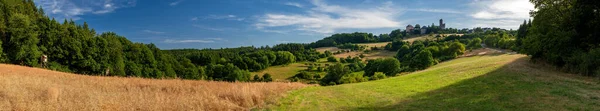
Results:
<point x="25" y="88"/>
<point x="282" y="72"/>
<point x="490" y="82"/>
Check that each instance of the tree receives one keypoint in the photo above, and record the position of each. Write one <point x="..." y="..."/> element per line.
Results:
<point x="267" y="77"/>
<point x="284" y="58"/>
<point x="331" y="59"/>
<point x="455" y="49"/>
<point x="257" y="78"/>
<point x="389" y="66"/>
<point x="475" y="44"/>
<point x="422" y="60"/>
<point x="22" y="45"/>
<point x="334" y="74"/>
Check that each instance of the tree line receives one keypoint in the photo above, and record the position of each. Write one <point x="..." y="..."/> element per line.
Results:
<point x="26" y="33"/>
<point x="565" y="34"/>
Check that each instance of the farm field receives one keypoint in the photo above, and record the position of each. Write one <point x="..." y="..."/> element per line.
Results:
<point x="26" y="88"/>
<point x="496" y="82"/>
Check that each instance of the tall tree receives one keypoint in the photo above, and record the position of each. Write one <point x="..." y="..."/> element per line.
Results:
<point x="22" y="45"/>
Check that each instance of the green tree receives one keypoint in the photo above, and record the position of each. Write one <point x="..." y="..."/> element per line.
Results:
<point x="334" y="74"/>
<point x="422" y="60"/>
<point x="267" y="77"/>
<point x="284" y="58"/>
<point x="389" y="66"/>
<point x="331" y="59"/>
<point x="22" y="45"/>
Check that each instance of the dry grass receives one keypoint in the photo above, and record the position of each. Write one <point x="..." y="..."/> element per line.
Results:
<point x="25" y="88"/>
<point x="379" y="44"/>
<point x="379" y="54"/>
<point x="330" y="49"/>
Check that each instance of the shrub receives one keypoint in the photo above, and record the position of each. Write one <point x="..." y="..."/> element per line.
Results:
<point x="267" y="77"/>
<point x="353" y="78"/>
<point x="389" y="66"/>
<point x="334" y="74"/>
<point x="378" y="75"/>
<point x="331" y="59"/>
<point x="257" y="78"/>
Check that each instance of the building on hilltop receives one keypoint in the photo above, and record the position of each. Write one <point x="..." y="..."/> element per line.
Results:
<point x="409" y="28"/>
<point x="423" y="29"/>
<point x="442" y="24"/>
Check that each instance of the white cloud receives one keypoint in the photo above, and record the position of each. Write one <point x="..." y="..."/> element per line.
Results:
<point x="294" y="4"/>
<point x="220" y="17"/>
<point x="324" y="18"/>
<point x="68" y="9"/>
<point x="153" y="32"/>
<point x="437" y="10"/>
<point x="501" y="13"/>
<point x="188" y="41"/>
<point x="175" y="3"/>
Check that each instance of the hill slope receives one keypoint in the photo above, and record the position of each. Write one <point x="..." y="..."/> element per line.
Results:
<point x="492" y="82"/>
<point x="25" y="88"/>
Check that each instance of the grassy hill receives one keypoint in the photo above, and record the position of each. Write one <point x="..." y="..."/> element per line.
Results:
<point x="26" y="88"/>
<point x="491" y="82"/>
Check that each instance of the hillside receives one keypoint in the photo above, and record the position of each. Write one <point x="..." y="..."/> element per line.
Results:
<point x="490" y="82"/>
<point x="25" y="88"/>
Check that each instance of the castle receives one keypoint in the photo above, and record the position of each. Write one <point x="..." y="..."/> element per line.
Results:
<point x="410" y="28"/>
<point x="442" y="24"/>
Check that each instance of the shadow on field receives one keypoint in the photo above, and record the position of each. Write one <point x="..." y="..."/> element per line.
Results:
<point x="519" y="85"/>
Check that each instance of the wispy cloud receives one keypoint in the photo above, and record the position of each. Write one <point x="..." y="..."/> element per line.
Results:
<point x="188" y="41"/>
<point x="325" y="18"/>
<point x="175" y="3"/>
<point x="213" y="28"/>
<point x="68" y="9"/>
<point x="153" y="32"/>
<point x="436" y="10"/>
<point x="194" y="18"/>
<point x="501" y="13"/>
<point x="294" y="4"/>
<point x="219" y="17"/>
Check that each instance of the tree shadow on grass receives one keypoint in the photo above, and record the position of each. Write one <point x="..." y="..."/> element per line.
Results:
<point x="519" y="85"/>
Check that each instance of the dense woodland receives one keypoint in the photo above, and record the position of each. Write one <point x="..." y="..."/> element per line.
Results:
<point x="564" y="33"/>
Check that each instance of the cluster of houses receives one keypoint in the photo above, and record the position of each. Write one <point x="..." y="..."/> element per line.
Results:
<point x="423" y="30"/>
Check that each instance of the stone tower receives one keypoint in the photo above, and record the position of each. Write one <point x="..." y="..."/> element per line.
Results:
<point x="442" y="24"/>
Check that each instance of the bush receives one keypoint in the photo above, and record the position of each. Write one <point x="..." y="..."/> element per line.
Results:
<point x="267" y="77"/>
<point x="378" y="75"/>
<point x="334" y="74"/>
<point x="353" y="78"/>
<point x="331" y="59"/>
<point x="257" y="78"/>
<point x="475" y="43"/>
<point x="389" y="66"/>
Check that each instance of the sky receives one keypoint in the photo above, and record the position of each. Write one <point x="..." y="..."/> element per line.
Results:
<point x="176" y="24"/>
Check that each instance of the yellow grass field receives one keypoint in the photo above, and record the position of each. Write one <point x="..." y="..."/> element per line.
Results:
<point x="330" y="49"/>
<point x="26" y="88"/>
<point x="379" y="44"/>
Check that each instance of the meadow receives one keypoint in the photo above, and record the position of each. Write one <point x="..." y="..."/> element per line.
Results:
<point x="489" y="82"/>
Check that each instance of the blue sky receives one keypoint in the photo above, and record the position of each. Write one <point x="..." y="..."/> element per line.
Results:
<point x="172" y="24"/>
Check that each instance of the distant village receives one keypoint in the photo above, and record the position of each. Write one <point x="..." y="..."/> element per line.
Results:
<point x="418" y="29"/>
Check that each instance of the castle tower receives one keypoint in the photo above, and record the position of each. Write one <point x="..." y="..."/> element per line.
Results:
<point x="442" y="25"/>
